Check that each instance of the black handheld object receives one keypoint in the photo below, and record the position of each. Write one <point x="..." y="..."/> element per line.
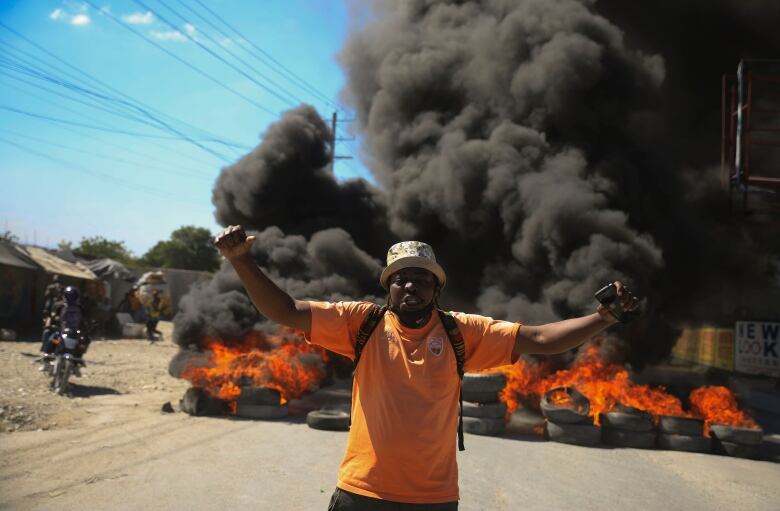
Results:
<point x="608" y="297"/>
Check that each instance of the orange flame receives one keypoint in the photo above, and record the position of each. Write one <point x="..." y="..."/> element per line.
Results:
<point x="718" y="405"/>
<point x="604" y="384"/>
<point x="285" y="362"/>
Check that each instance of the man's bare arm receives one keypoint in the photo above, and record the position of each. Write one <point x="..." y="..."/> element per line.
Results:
<point x="564" y="335"/>
<point x="271" y="301"/>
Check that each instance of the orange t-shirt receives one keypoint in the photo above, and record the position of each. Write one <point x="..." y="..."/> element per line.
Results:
<point x="401" y="445"/>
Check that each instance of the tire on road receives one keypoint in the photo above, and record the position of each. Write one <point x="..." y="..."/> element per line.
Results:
<point x="737" y="435"/>
<point x="484" y="410"/>
<point x="736" y="450"/>
<point x="564" y="414"/>
<point x="586" y="435"/>
<point x="625" y="438"/>
<point x="198" y="402"/>
<point x="672" y="442"/>
<point x="329" y="420"/>
<point x="261" y="412"/>
<point x="484" y="426"/>
<point x="259" y="396"/>
<point x="687" y="426"/>
<point x="483" y="382"/>
<point x="627" y="421"/>
<point x="481" y="396"/>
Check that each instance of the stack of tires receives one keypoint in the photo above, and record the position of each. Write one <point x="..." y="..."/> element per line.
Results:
<point x="483" y="413"/>
<point x="736" y="441"/>
<point x="625" y="426"/>
<point x="568" y="420"/>
<point x="682" y="434"/>
<point x="260" y="403"/>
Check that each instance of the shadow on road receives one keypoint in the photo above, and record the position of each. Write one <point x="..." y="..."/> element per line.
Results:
<point x="77" y="390"/>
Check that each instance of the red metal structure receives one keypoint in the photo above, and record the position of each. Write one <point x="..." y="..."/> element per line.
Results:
<point x="750" y="131"/>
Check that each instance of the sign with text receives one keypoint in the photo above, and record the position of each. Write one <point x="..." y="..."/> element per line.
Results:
<point x="757" y="346"/>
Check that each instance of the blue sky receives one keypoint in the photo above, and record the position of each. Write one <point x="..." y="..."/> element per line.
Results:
<point x="63" y="178"/>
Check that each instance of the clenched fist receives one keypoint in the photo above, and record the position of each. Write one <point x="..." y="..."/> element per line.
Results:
<point x="233" y="242"/>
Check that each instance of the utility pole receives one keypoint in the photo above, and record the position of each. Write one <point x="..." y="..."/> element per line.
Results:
<point x="333" y="140"/>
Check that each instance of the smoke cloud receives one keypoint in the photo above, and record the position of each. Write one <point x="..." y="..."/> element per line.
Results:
<point x="543" y="148"/>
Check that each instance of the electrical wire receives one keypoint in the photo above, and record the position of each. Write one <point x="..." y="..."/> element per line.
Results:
<point x="147" y="110"/>
<point x="137" y="164"/>
<point x="181" y="60"/>
<point x="227" y="50"/>
<point x="290" y="75"/>
<point x="101" y="175"/>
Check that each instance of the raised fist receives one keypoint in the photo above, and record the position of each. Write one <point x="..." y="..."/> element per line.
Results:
<point x="233" y="242"/>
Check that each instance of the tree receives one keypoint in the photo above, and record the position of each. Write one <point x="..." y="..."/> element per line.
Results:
<point x="190" y="248"/>
<point x="98" y="246"/>
<point x="9" y="236"/>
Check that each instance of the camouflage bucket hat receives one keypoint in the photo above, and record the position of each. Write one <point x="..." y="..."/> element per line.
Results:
<point x="411" y="254"/>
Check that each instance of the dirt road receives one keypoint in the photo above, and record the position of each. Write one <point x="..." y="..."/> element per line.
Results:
<point x="110" y="447"/>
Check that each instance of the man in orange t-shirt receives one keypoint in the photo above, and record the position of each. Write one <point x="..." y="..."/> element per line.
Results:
<point x="407" y="371"/>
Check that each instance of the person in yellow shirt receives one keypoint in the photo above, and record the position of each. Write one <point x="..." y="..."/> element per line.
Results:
<point x="406" y="372"/>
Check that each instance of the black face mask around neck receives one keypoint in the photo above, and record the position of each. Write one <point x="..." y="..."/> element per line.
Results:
<point x="413" y="319"/>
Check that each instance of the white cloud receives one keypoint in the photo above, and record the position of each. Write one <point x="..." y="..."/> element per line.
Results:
<point x="139" y="18"/>
<point x="80" y="19"/>
<point x="73" y="13"/>
<point x="189" y="28"/>
<point x="171" y="35"/>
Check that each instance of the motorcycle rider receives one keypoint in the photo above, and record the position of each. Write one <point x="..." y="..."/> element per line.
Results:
<point x="68" y="315"/>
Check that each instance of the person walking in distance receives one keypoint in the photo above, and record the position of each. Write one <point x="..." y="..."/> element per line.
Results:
<point x="153" y="312"/>
<point x="406" y="373"/>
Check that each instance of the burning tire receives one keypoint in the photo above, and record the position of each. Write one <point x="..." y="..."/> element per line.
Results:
<point x="485" y="410"/>
<point x="262" y="412"/>
<point x="479" y="382"/>
<point x="329" y="420"/>
<point x="572" y="410"/>
<point x="586" y="435"/>
<point x="676" y="426"/>
<point x="626" y="438"/>
<point x="672" y="442"/>
<point x="737" y="435"/>
<point x="484" y="397"/>
<point x="628" y="421"/>
<point x="484" y="426"/>
<point x="198" y="402"/>
<point x="735" y="449"/>
<point x="259" y="396"/>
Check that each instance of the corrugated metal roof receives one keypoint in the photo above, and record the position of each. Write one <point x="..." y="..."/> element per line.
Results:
<point x="11" y="257"/>
<point x="53" y="264"/>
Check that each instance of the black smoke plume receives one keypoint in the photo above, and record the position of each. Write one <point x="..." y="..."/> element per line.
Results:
<point x="542" y="147"/>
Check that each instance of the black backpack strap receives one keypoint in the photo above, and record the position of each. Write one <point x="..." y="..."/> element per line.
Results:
<point x="368" y="326"/>
<point x="459" y="347"/>
<point x="366" y="329"/>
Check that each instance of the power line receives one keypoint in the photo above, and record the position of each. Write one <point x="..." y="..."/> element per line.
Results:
<point x="83" y="125"/>
<point x="105" y="157"/>
<point x="96" y="95"/>
<point x="173" y="55"/>
<point x="101" y="175"/>
<point x="113" y="111"/>
<point x="290" y="74"/>
<point x="226" y="50"/>
<point x="145" y="109"/>
<point x="74" y="130"/>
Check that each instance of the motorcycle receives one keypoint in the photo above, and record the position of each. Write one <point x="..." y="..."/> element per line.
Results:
<point x="67" y="358"/>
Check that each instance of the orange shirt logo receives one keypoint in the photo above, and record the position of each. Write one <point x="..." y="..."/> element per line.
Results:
<point x="436" y="345"/>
